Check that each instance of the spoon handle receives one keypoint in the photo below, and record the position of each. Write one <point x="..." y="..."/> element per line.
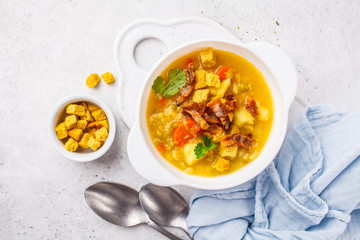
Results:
<point x="162" y="230"/>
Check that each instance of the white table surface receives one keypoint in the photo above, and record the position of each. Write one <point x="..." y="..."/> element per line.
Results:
<point x="48" y="48"/>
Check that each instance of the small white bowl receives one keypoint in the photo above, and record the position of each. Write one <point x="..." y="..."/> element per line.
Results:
<point x="59" y="110"/>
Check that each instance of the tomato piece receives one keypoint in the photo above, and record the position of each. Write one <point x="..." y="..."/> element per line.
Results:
<point x="189" y="62"/>
<point x="162" y="102"/>
<point x="221" y="72"/>
<point x="161" y="148"/>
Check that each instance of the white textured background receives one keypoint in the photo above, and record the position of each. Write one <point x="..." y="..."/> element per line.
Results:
<point x="48" y="48"/>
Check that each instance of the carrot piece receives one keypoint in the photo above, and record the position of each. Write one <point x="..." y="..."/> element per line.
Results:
<point x="184" y="132"/>
<point x="161" y="148"/>
<point x="221" y="72"/>
<point x="162" y="102"/>
<point x="189" y="123"/>
<point x="181" y="136"/>
<point x="189" y="62"/>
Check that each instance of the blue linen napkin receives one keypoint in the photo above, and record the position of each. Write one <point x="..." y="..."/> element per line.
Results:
<point x="310" y="191"/>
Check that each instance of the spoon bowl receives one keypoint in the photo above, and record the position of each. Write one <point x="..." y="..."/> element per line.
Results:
<point x="104" y="197"/>
<point x="165" y="206"/>
<point x="120" y="205"/>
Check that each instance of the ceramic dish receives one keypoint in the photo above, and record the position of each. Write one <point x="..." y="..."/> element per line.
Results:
<point x="82" y="156"/>
<point x="280" y="76"/>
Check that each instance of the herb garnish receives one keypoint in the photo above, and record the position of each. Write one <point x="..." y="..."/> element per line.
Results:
<point x="177" y="80"/>
<point x="201" y="149"/>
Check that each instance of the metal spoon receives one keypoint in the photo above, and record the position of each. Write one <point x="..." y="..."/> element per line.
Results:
<point x="120" y="205"/>
<point x="165" y="206"/>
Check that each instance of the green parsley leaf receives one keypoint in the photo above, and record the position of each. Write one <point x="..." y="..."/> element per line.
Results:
<point x="201" y="149"/>
<point x="177" y="80"/>
<point x="159" y="85"/>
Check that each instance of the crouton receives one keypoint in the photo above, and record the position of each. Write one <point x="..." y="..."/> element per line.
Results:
<point x="212" y="80"/>
<point x="84" y="105"/>
<point x="234" y="129"/>
<point x="230" y="151"/>
<point x="75" y="110"/>
<point x="99" y="124"/>
<point x="108" y="77"/>
<point x="76" y="133"/>
<point x="200" y="96"/>
<point x="61" y="130"/>
<point x="104" y="123"/>
<point x="93" y="143"/>
<point x="71" y="145"/>
<point x="207" y="58"/>
<point x="84" y="140"/>
<point x="92" y="80"/>
<point x="101" y="134"/>
<point x="242" y="117"/>
<point x="200" y="80"/>
<point x="99" y="115"/>
<point x="87" y="117"/>
<point x="92" y="131"/>
<point x="221" y="164"/>
<point x="81" y="124"/>
<point x="92" y="107"/>
<point x="70" y="121"/>
<point x="217" y="138"/>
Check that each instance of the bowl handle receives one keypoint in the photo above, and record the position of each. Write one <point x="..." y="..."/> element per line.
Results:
<point x="144" y="162"/>
<point x="280" y="66"/>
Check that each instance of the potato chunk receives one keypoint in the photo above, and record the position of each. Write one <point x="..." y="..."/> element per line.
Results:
<point x="221" y="90"/>
<point x="75" y="109"/>
<point x="108" y="77"/>
<point x="92" y="80"/>
<point x="189" y="153"/>
<point x="221" y="164"/>
<point x="212" y="80"/>
<point x="70" y="121"/>
<point x="207" y="58"/>
<point x="263" y="113"/>
<point x="71" y="145"/>
<point x="61" y="130"/>
<point x="200" y="96"/>
<point x="242" y="117"/>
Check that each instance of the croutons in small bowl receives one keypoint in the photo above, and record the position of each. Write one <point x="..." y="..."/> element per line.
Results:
<point x="82" y="127"/>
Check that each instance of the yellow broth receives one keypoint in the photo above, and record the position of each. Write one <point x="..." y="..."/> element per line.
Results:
<point x="163" y="119"/>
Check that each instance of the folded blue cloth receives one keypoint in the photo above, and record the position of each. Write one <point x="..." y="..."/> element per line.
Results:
<point x="310" y="191"/>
